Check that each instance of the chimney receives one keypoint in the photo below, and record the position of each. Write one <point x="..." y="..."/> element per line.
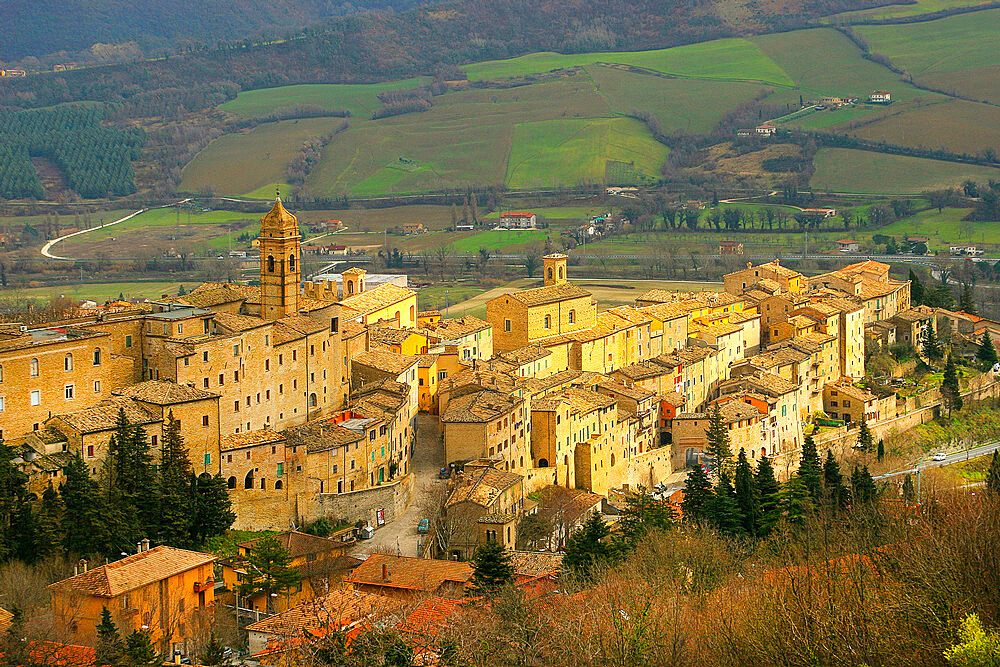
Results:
<point x="83" y="565"/>
<point x="385" y="572"/>
<point x="145" y="544"/>
<point x="138" y="547"/>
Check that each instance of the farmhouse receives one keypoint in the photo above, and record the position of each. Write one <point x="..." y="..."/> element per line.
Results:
<point x="730" y="247"/>
<point x="765" y="130"/>
<point x="880" y="97"/>
<point x="847" y="245"/>
<point x="518" y="220"/>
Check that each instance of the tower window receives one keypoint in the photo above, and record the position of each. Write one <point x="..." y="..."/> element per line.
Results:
<point x="270" y="264"/>
<point x="291" y="262"/>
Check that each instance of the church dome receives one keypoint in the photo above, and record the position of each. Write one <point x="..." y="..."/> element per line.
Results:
<point x="279" y="222"/>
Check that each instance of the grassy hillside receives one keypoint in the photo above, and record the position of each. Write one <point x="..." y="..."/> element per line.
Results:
<point x="848" y="170"/>
<point x="901" y="10"/>
<point x="359" y="99"/>
<point x="954" y="125"/>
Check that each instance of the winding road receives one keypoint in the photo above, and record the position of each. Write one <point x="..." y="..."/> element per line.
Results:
<point x="47" y="248"/>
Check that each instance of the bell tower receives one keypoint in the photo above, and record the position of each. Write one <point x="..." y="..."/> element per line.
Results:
<point x="554" y="266"/>
<point x="280" y="272"/>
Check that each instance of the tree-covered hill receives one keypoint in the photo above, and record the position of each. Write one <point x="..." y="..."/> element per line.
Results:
<point x="38" y="27"/>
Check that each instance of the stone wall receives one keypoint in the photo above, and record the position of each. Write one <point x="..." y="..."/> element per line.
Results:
<point x="393" y="498"/>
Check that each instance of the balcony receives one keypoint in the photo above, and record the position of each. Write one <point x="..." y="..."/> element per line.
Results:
<point x="202" y="586"/>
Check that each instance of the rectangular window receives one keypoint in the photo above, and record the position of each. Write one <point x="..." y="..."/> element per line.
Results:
<point x="97" y="386"/>
<point x="222" y="379"/>
<point x="236" y="376"/>
<point x="236" y="350"/>
<point x="205" y="381"/>
<point x="208" y="459"/>
<point x="506" y="325"/>
<point x="36" y="397"/>
<point x="281" y="469"/>
<point x="128" y="340"/>
<point x="90" y="451"/>
<point x="236" y="406"/>
<point x="1" y="403"/>
<point x="204" y="420"/>
<point x="180" y="328"/>
<point x="204" y="356"/>
<point x="205" y="325"/>
<point x="187" y="361"/>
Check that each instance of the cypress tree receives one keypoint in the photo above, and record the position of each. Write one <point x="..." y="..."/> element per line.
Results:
<point x="84" y="527"/>
<point x="796" y="500"/>
<point x="965" y="301"/>
<point x="986" y="354"/>
<point x="768" y="494"/>
<point x="810" y="470"/>
<point x="993" y="476"/>
<point x="950" y="390"/>
<point x="22" y="528"/>
<point x="833" y="483"/>
<point x="881" y="450"/>
<point x="47" y="520"/>
<point x="174" y="488"/>
<point x="109" y="647"/>
<point x="717" y="438"/>
<point x="213" y="511"/>
<point x="491" y="569"/>
<point x="864" y="486"/>
<point x="133" y="475"/>
<point x="214" y="653"/>
<point x="930" y="347"/>
<point x="747" y="499"/>
<point x="722" y="510"/>
<point x="909" y="493"/>
<point x="13" y="487"/>
<point x="865" y="438"/>
<point x="587" y="548"/>
<point x="697" y="495"/>
<point x="916" y="289"/>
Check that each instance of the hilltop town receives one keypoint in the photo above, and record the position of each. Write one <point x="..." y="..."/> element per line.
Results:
<point x="414" y="440"/>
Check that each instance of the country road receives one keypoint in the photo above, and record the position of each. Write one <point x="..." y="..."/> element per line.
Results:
<point x="957" y="457"/>
<point x="47" y="248"/>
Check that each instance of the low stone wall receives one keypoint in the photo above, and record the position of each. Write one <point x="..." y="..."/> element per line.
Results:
<point x="649" y="468"/>
<point x="392" y="498"/>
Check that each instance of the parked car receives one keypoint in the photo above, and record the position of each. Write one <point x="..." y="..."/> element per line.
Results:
<point x="940" y="456"/>
<point x="424" y="526"/>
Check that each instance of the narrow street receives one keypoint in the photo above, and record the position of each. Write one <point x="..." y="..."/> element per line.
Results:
<point x="401" y="537"/>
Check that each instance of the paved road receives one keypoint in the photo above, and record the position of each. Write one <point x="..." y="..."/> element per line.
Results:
<point x="975" y="452"/>
<point x="400" y="536"/>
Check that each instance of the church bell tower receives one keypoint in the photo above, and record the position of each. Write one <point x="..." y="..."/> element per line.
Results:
<point x="280" y="271"/>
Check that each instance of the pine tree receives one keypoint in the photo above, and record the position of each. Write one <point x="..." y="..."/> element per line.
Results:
<point x="13" y="487"/>
<point x="491" y="569"/>
<point x="833" y="483"/>
<point x="916" y="290"/>
<point x="644" y="513"/>
<point x="722" y="510"/>
<point x="132" y="475"/>
<point x="986" y="353"/>
<point x="950" y="390"/>
<point x="717" y="439"/>
<point x="930" y="347"/>
<point x="865" y="439"/>
<point x="214" y="653"/>
<point x="47" y="521"/>
<point x="22" y="528"/>
<point x="768" y="494"/>
<point x="810" y="469"/>
<point x="747" y="500"/>
<point x="587" y="548"/>
<point x="174" y="488"/>
<point x="796" y="500"/>
<point x="269" y="570"/>
<point x="881" y="450"/>
<point x="993" y="476"/>
<point x="139" y="651"/>
<point x="864" y="487"/>
<point x="213" y="511"/>
<point x="84" y="528"/>
<point x="109" y="645"/>
<point x="697" y="495"/>
<point x="966" y="302"/>
<point x="13" y="647"/>
<point x="909" y="492"/>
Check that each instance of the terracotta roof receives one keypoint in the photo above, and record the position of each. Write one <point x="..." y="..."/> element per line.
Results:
<point x="382" y="360"/>
<point x="300" y="544"/>
<point x="479" y="407"/>
<point x="427" y="360"/>
<point x="323" y="434"/>
<point x="525" y="355"/>
<point x="430" y="616"/>
<point x="104" y="416"/>
<point x="664" y="311"/>
<point x="377" y="298"/>
<point x="5" y="618"/>
<point x="636" y="393"/>
<point x="302" y="324"/>
<point x="216" y="294"/>
<point x="643" y="370"/>
<point x="854" y="392"/>
<point x="456" y="328"/>
<point x="408" y="573"/>
<point x="390" y="335"/>
<point x="533" y="564"/>
<point x="482" y="486"/>
<point x="164" y="392"/>
<point x="262" y="436"/>
<point x="237" y="323"/>
<point x="134" y="571"/>
<point x="548" y="294"/>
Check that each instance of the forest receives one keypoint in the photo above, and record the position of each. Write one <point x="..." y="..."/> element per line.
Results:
<point x="96" y="160"/>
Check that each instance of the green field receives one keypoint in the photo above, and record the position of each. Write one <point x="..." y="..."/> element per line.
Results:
<point x="953" y="125"/>
<point x="944" y="45"/>
<point x="678" y="104"/>
<point x="899" y="11"/>
<point x="733" y="59"/>
<point x="359" y="99"/>
<point x="849" y="170"/>
<point x="943" y="229"/>
<point x="99" y="292"/>
<point x="239" y="163"/>
<point x="555" y="212"/>
<point x="568" y="152"/>
<point x="502" y="240"/>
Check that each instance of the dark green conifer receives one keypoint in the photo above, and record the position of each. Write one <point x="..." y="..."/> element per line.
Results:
<point x="769" y="495"/>
<point x="722" y="510"/>
<point x="109" y="644"/>
<point x="697" y="495"/>
<point x="84" y="525"/>
<point x="993" y="476"/>
<point x="213" y="511"/>
<point x="836" y="492"/>
<point x="986" y="353"/>
<point x="174" y="489"/>
<point x="491" y="569"/>
<point x="717" y="439"/>
<point x="810" y="469"/>
<point x="950" y="389"/>
<point x="588" y="549"/>
<point x="747" y="498"/>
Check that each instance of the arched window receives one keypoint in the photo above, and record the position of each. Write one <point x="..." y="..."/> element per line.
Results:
<point x="612" y="460"/>
<point x="572" y="316"/>
<point x="277" y="485"/>
<point x="270" y="264"/>
<point x="97" y="356"/>
<point x="231" y="483"/>
<point x="350" y="287"/>
<point x="312" y="400"/>
<point x="550" y="273"/>
<point x="34" y="368"/>
<point x="543" y="463"/>
<point x="560" y="273"/>
<point x="396" y="315"/>
<point x="413" y="310"/>
<point x="291" y="262"/>
<point x="763" y="451"/>
<point x="68" y="362"/>
<point x="248" y="480"/>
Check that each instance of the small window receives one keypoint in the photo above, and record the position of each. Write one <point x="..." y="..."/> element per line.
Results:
<point x="68" y="362"/>
<point x="204" y="356"/>
<point x="236" y="406"/>
<point x="208" y="459"/>
<point x="97" y="356"/>
<point x="69" y="391"/>
<point x="236" y="350"/>
<point x="204" y="420"/>
<point x="97" y="386"/>
<point x="128" y="340"/>
<point x="180" y="328"/>
<point x="506" y="325"/>
<point x="2" y="406"/>
<point x="36" y="397"/>
<point x="231" y="483"/>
